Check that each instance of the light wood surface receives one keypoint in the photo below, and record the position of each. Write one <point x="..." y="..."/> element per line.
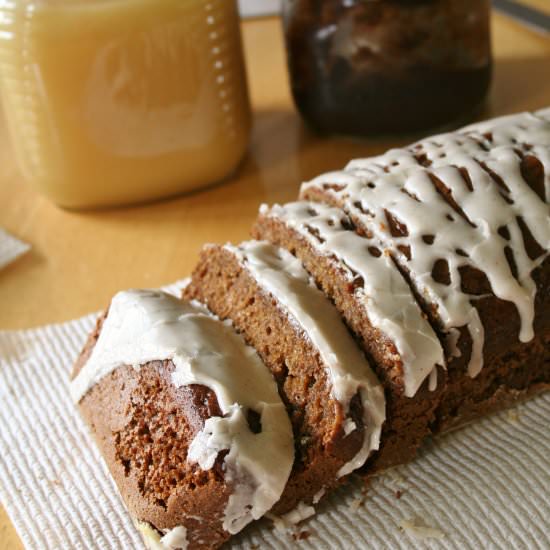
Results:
<point x="78" y="260"/>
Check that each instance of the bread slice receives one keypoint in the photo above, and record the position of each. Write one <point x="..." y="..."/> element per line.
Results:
<point x="187" y="418"/>
<point x="378" y="305"/>
<point x="336" y="403"/>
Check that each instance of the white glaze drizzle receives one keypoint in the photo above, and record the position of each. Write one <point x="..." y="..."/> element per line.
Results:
<point x="171" y="539"/>
<point x="302" y="512"/>
<point x="152" y="538"/>
<point x="318" y="495"/>
<point x="280" y="274"/>
<point x="389" y="301"/>
<point x="143" y="326"/>
<point x="288" y="522"/>
<point x="396" y="182"/>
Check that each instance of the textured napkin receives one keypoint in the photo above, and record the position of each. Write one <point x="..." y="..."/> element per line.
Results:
<point x="10" y="248"/>
<point x="484" y="486"/>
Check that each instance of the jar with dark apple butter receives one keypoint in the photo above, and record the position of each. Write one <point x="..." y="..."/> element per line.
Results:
<point x="362" y="67"/>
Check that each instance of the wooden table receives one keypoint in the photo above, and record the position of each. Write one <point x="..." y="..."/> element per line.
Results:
<point x="78" y="260"/>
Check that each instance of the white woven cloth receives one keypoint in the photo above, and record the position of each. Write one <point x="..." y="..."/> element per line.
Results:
<point x="483" y="487"/>
<point x="10" y="248"/>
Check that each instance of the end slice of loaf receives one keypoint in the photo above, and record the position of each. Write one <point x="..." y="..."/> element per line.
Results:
<point x="187" y="418"/>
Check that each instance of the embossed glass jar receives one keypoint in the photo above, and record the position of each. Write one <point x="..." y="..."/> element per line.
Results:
<point x="120" y="101"/>
<point x="362" y="67"/>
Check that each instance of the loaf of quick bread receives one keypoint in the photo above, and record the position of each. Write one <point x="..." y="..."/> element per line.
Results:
<point x="398" y="298"/>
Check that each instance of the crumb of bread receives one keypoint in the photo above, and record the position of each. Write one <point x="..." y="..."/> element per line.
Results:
<point x="394" y="476"/>
<point x="356" y="503"/>
<point x="301" y="535"/>
<point x="419" y="530"/>
<point x="279" y="523"/>
<point x="395" y="482"/>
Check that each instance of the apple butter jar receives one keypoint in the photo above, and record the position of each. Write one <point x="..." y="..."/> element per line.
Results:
<point x="362" y="67"/>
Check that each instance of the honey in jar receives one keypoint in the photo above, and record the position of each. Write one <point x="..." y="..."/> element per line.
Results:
<point x="121" y="101"/>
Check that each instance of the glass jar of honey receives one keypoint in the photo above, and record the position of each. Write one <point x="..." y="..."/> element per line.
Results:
<point x="121" y="101"/>
<point x="363" y="67"/>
